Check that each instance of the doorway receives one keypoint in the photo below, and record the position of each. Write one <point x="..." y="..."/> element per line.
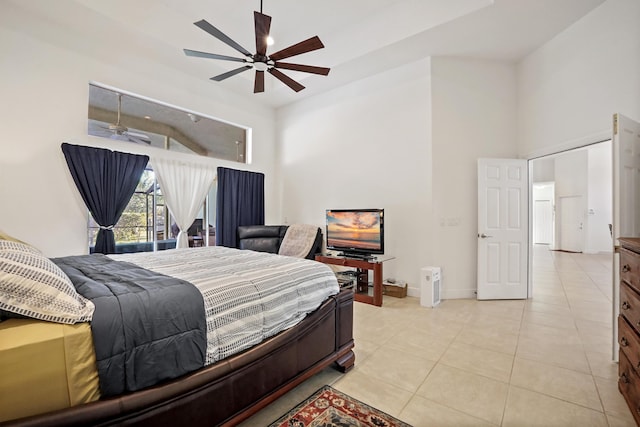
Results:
<point x="572" y="201"/>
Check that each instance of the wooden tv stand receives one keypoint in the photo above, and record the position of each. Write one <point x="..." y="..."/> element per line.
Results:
<point x="362" y="266"/>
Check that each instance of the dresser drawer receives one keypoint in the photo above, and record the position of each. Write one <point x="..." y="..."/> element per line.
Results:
<point x="630" y="268"/>
<point x="630" y="305"/>
<point x="629" y="342"/>
<point x="629" y="386"/>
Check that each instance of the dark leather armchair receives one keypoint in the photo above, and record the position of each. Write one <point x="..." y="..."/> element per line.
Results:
<point x="268" y="238"/>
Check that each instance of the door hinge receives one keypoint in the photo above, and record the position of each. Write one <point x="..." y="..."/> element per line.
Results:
<point x="615" y="124"/>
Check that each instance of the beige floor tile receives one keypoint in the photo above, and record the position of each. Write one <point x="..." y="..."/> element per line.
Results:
<point x="495" y="323"/>
<point x="592" y="307"/>
<point x="550" y="334"/>
<point x="602" y="365"/>
<point x="364" y="349"/>
<point x="601" y="315"/>
<point x="376" y="328"/>
<point x="396" y="367"/>
<point x="442" y="329"/>
<point x="472" y="394"/>
<point x="421" y="412"/>
<point x="526" y="408"/>
<point x="559" y="310"/>
<point x="612" y="399"/>
<point x="511" y="309"/>
<point x="595" y="328"/>
<point x="379" y="394"/>
<point x="414" y="341"/>
<point x="565" y="384"/>
<point x="621" y="421"/>
<point x="570" y="356"/>
<point x="488" y="338"/>
<point x="480" y="361"/>
<point x="551" y="320"/>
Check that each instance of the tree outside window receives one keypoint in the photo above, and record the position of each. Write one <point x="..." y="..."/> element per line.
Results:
<point x="138" y="227"/>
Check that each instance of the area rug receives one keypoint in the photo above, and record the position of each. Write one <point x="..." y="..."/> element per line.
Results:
<point x="328" y="407"/>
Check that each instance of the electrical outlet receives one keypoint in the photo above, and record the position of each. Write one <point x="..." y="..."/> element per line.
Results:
<point x="453" y="222"/>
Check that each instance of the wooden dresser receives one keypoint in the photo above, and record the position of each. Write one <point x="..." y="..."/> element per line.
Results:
<point x="629" y="324"/>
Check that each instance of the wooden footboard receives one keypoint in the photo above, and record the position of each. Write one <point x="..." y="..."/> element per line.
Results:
<point x="233" y="389"/>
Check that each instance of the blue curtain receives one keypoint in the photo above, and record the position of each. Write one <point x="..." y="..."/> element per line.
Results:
<point x="106" y="181"/>
<point x="240" y="201"/>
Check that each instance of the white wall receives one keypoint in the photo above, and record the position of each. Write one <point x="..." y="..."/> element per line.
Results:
<point x="569" y="89"/>
<point x="44" y="84"/>
<point x="365" y="145"/>
<point x="544" y="169"/>
<point x="571" y="180"/>
<point x="474" y="116"/>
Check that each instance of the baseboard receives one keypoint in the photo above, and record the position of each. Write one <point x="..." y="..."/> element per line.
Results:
<point x="459" y="294"/>
<point x="413" y="292"/>
<point x="446" y="293"/>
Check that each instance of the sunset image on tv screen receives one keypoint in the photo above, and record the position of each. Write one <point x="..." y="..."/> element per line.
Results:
<point x="354" y="229"/>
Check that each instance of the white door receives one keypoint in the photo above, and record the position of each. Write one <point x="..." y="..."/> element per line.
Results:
<point x="571" y="227"/>
<point x="542" y="222"/>
<point x="626" y="198"/>
<point x="503" y="199"/>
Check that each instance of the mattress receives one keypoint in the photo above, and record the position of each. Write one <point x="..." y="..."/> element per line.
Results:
<point x="45" y="366"/>
<point x="249" y="296"/>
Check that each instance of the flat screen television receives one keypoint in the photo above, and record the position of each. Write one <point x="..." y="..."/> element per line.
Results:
<point x="355" y="232"/>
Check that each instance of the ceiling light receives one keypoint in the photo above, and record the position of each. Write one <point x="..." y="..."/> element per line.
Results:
<point x="270" y="41"/>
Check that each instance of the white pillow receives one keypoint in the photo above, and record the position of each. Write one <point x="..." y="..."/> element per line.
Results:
<point x="32" y="285"/>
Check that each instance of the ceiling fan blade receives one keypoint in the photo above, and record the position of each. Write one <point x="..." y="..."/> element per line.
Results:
<point x="304" y="68"/>
<point x="199" y="54"/>
<point x="286" y="80"/>
<point x="258" y="85"/>
<point x="137" y="140"/>
<point x="231" y="73"/>
<point x="263" y="26"/>
<point x="137" y="135"/>
<point x="204" y="25"/>
<point x="308" y="45"/>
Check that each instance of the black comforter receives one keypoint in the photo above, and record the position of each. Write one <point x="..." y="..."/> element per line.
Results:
<point x="147" y="327"/>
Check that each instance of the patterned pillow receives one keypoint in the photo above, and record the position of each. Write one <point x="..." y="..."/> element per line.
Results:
<point x="32" y="285"/>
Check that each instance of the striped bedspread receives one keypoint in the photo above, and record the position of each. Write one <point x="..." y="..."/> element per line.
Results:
<point x="248" y="296"/>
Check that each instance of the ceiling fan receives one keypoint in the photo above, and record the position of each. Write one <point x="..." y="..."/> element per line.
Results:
<point x="260" y="61"/>
<point x="121" y="132"/>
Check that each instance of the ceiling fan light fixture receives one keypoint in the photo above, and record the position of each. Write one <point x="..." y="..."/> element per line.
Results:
<point x="260" y="66"/>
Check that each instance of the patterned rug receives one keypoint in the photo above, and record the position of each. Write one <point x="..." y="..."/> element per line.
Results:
<point x="328" y="407"/>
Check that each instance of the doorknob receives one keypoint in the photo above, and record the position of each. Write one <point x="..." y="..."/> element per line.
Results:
<point x="483" y="236"/>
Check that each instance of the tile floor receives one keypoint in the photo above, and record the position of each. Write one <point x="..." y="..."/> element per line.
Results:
<point x="540" y="362"/>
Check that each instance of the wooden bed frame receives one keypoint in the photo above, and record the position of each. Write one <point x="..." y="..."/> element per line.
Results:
<point x="231" y="390"/>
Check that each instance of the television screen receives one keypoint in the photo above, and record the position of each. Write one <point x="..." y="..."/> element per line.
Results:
<point x="356" y="231"/>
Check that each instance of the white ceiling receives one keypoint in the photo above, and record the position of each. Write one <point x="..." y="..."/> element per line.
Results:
<point x="361" y="37"/>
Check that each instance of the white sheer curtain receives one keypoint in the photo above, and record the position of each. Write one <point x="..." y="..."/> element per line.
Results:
<point x="184" y="186"/>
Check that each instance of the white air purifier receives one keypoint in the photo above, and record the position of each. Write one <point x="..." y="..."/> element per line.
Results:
<point x="430" y="286"/>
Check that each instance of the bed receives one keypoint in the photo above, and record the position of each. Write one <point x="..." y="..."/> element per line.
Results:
<point x="242" y="360"/>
